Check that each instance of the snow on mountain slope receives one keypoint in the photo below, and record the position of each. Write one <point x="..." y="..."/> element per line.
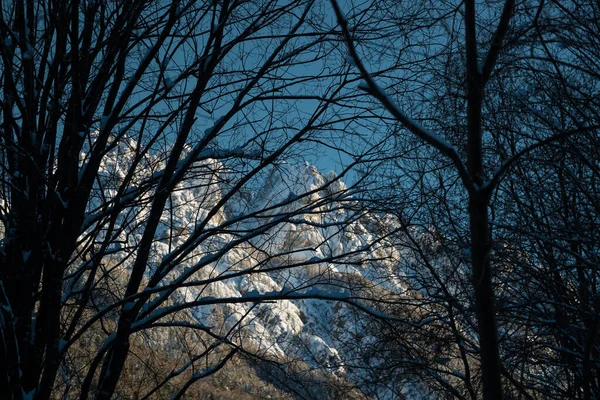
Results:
<point x="291" y="229"/>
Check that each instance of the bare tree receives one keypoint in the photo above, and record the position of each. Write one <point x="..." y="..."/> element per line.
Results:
<point x="137" y="138"/>
<point x="555" y="193"/>
<point x="484" y="98"/>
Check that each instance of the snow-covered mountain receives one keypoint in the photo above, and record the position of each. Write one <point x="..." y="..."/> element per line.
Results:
<point x="292" y="232"/>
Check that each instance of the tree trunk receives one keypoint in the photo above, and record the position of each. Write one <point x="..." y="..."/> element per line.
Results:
<point x="484" y="296"/>
<point x="479" y="196"/>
